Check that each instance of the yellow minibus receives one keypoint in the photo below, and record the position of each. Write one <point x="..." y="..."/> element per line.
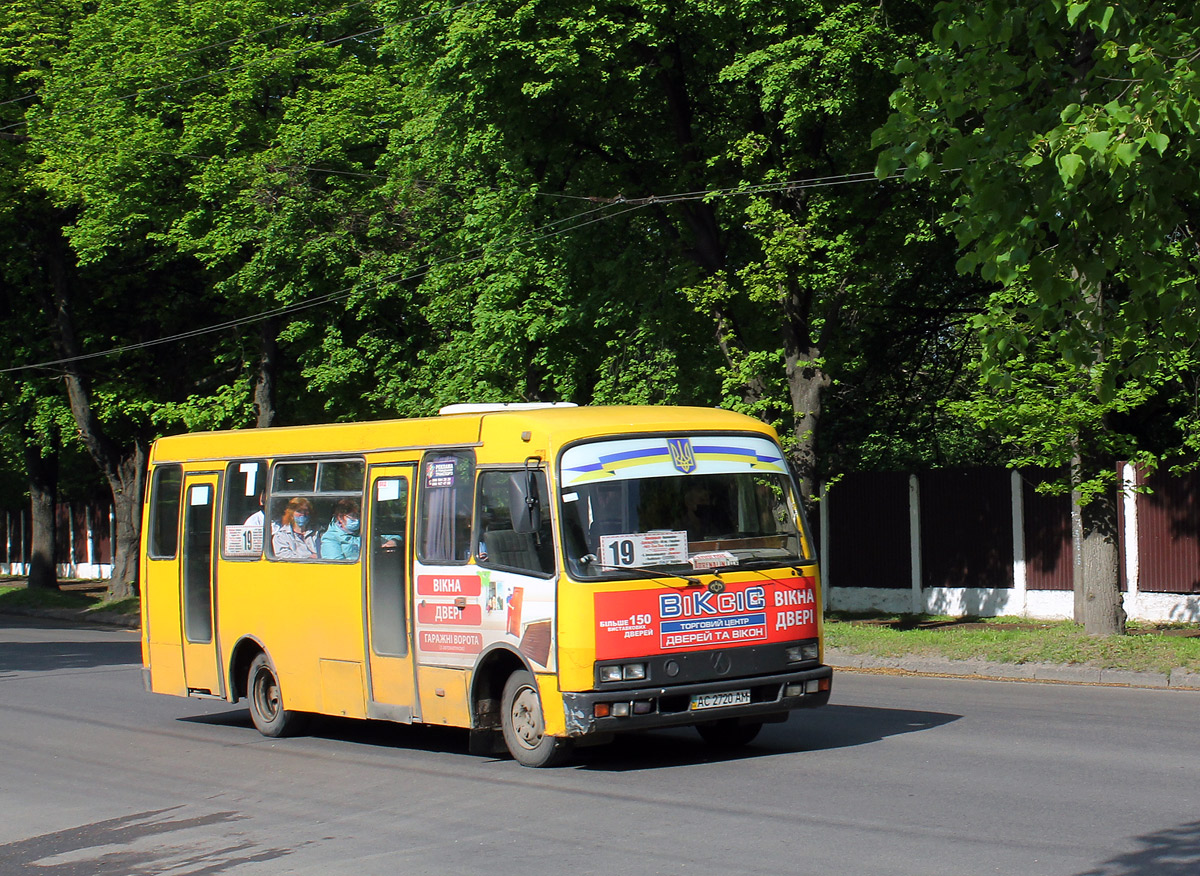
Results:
<point x="542" y="575"/>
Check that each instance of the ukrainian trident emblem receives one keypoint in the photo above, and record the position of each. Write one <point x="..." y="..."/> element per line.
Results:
<point x="682" y="456"/>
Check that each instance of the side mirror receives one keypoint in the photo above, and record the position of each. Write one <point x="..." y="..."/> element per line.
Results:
<point x="524" y="499"/>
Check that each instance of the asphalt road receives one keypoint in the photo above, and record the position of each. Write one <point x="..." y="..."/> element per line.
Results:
<point x="897" y="776"/>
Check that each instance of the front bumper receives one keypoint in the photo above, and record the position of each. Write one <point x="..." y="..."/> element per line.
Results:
<point x="670" y="706"/>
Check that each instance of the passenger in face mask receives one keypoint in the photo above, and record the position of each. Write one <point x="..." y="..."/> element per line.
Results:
<point x="294" y="537"/>
<point x="341" y="540"/>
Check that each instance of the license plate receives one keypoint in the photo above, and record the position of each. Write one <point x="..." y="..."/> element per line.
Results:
<point x="717" y="700"/>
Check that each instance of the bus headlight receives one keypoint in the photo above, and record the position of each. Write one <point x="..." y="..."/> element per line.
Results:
<point x="623" y="672"/>
<point x="802" y="653"/>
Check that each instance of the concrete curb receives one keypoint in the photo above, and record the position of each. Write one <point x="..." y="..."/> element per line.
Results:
<point x="1049" y="673"/>
<point x="104" y="619"/>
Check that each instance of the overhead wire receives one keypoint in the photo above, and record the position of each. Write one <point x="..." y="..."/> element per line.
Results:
<point x="616" y="207"/>
<point x="285" y="310"/>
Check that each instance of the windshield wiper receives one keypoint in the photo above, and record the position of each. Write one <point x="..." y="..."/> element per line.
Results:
<point x="716" y="585"/>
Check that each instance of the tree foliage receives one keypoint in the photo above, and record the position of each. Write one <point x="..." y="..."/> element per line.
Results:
<point x="1067" y="134"/>
<point x="729" y="246"/>
<point x="280" y="213"/>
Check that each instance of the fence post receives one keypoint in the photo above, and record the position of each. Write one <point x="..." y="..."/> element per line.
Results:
<point x="823" y="493"/>
<point x="1020" y="578"/>
<point x="90" y="521"/>
<point x="914" y="542"/>
<point x="1130" y="535"/>
<point x="71" y="563"/>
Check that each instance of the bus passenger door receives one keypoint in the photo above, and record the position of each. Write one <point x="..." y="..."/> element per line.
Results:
<point x="387" y="600"/>
<point x="201" y="663"/>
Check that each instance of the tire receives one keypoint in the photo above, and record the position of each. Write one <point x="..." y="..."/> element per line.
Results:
<point x="266" y="702"/>
<point x="728" y="733"/>
<point x="524" y="726"/>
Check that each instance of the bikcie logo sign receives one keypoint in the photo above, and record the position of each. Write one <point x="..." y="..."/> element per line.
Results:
<point x="707" y="604"/>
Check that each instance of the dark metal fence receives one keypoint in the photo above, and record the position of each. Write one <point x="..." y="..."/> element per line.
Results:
<point x="876" y="504"/>
<point x="1047" y="533"/>
<point x="966" y="526"/>
<point x="1168" y="534"/>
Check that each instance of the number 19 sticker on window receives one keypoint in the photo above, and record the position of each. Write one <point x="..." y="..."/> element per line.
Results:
<point x="644" y="549"/>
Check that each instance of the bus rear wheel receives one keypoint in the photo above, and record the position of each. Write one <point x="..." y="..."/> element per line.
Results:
<point x="729" y="733"/>
<point x="524" y="726"/>
<point x="266" y="702"/>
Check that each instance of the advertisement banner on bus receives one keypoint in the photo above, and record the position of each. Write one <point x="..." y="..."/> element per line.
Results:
<point x="639" y="623"/>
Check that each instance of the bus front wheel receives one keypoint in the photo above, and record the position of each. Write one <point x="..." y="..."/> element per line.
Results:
<point x="524" y="726"/>
<point x="266" y="702"/>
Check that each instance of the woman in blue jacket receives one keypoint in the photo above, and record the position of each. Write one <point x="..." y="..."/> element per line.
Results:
<point x="341" y="540"/>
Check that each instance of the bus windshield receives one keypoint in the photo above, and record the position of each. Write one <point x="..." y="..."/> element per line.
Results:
<point x="652" y="516"/>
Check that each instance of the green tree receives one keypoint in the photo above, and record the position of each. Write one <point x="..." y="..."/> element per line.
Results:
<point x="713" y="158"/>
<point x="391" y="206"/>
<point x="239" y="137"/>
<point x="65" y="314"/>
<point x="31" y="31"/>
<point x="1067" y="133"/>
<point x="214" y="165"/>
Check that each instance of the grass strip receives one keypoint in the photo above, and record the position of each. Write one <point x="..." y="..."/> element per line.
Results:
<point x="18" y="596"/>
<point x="1148" y="647"/>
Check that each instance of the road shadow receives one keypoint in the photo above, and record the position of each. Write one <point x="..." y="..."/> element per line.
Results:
<point x="49" y="656"/>
<point x="234" y="717"/>
<point x="143" y="844"/>
<point x="1174" y="851"/>
<point x="356" y="731"/>
<point x="824" y="729"/>
<point x="827" y="728"/>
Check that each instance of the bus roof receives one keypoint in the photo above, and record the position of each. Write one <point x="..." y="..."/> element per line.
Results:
<point x="520" y="430"/>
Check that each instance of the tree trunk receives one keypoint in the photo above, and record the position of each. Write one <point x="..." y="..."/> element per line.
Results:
<point x="1101" y="603"/>
<point x="124" y="468"/>
<point x="128" y="483"/>
<point x="806" y="382"/>
<point x="264" y="384"/>
<point x="1097" y="570"/>
<point x="43" y="496"/>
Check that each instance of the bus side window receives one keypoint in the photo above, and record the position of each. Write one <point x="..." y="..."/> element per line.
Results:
<point x="389" y="524"/>
<point x="314" y="510"/>
<point x="445" y="507"/>
<point x="338" y="502"/>
<point x="243" y="518"/>
<point x="165" y="494"/>
<point x="498" y="543"/>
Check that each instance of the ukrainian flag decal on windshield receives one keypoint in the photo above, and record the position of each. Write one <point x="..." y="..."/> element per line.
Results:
<point x="682" y="455"/>
<point x="661" y="457"/>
